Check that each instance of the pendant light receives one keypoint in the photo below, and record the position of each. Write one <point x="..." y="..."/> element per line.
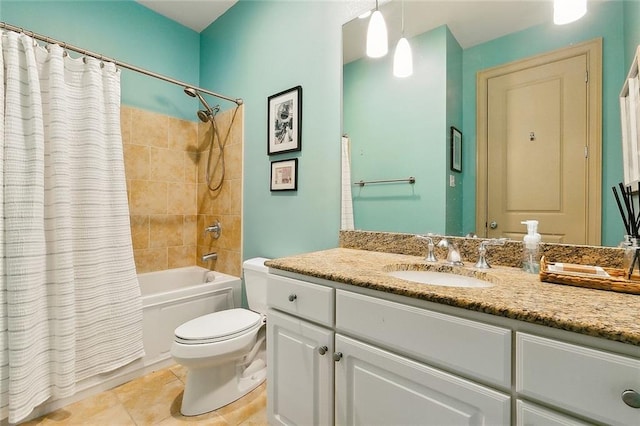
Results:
<point x="403" y="58"/>
<point x="377" y="44"/>
<point x="566" y="11"/>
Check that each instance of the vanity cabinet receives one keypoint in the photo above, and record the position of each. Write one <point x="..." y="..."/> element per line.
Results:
<point x="378" y="368"/>
<point x="339" y="355"/>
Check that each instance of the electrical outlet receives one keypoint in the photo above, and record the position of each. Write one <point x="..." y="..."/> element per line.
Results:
<point x="452" y="181"/>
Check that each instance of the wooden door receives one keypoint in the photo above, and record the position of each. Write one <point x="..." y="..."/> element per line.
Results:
<point x="541" y="149"/>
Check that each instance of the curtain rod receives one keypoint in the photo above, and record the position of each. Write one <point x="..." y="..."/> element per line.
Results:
<point x="85" y="52"/>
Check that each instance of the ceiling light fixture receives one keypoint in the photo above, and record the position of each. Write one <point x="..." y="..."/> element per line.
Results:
<point x="377" y="44"/>
<point x="566" y="11"/>
<point x="403" y="58"/>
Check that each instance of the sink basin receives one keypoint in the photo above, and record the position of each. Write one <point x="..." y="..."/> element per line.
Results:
<point x="440" y="278"/>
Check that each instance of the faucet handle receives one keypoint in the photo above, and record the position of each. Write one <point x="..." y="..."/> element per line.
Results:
<point x="215" y="229"/>
<point x="431" y="257"/>
<point x="482" y="251"/>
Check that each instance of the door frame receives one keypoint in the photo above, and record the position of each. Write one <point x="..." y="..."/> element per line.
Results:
<point x="593" y="51"/>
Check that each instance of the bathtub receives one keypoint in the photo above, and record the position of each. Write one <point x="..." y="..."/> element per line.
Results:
<point x="173" y="296"/>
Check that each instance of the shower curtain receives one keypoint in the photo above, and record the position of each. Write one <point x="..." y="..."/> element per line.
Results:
<point x="69" y="299"/>
<point x="346" y="205"/>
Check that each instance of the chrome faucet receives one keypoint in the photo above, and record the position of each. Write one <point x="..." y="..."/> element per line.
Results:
<point x="453" y="254"/>
<point x="431" y="257"/>
<point x="482" y="250"/>
<point x="209" y="256"/>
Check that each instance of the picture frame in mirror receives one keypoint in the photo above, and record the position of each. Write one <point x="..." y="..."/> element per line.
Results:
<point x="456" y="149"/>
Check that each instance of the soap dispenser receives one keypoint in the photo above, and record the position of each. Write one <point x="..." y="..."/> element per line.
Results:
<point x="531" y="248"/>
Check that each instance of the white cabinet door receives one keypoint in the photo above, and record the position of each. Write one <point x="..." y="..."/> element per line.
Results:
<point x="376" y="387"/>
<point x="300" y="373"/>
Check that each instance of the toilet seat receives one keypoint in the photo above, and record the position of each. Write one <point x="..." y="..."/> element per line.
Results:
<point x="217" y="327"/>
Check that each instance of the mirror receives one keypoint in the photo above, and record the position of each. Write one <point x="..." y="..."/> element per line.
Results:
<point x="401" y="127"/>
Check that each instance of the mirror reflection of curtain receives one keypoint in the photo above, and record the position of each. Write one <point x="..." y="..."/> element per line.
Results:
<point x="69" y="298"/>
<point x="346" y="217"/>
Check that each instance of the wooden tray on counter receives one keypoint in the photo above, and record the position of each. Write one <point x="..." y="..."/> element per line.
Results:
<point x="616" y="281"/>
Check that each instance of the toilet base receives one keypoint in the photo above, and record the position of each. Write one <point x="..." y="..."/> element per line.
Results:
<point x="208" y="389"/>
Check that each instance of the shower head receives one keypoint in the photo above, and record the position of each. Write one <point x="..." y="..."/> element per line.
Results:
<point x="190" y="91"/>
<point x="202" y="115"/>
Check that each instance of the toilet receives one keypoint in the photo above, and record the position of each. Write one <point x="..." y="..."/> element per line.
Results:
<point x="225" y="352"/>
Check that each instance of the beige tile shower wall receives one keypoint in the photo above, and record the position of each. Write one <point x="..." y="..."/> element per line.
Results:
<point x="169" y="203"/>
<point x="225" y="203"/>
<point x="160" y="154"/>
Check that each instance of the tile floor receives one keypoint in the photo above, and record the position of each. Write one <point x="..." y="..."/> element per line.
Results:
<point x="155" y="400"/>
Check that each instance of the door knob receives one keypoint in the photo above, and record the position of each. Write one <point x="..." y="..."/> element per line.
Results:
<point x="493" y="225"/>
<point x="322" y="350"/>
<point x="337" y="356"/>
<point x="292" y="297"/>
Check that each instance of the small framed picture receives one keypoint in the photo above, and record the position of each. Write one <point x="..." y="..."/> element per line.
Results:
<point x="456" y="150"/>
<point x="284" y="121"/>
<point x="284" y="175"/>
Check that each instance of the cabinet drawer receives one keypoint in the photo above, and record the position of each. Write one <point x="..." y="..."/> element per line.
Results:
<point x="528" y="414"/>
<point x="582" y="380"/>
<point x="302" y="299"/>
<point x="470" y="348"/>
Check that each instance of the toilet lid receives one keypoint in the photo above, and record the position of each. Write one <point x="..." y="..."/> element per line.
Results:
<point x="218" y="325"/>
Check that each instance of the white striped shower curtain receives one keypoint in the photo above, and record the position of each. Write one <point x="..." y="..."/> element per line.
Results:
<point x="346" y="202"/>
<point x="69" y="299"/>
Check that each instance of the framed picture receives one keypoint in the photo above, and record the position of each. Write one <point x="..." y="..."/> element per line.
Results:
<point x="284" y="175"/>
<point x="456" y="150"/>
<point x="284" y="121"/>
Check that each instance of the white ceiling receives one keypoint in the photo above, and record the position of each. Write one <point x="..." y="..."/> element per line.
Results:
<point x="471" y="21"/>
<point x="194" y="14"/>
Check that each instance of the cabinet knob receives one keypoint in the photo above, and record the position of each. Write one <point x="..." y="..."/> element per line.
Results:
<point x="322" y="350"/>
<point x="292" y="297"/>
<point x="337" y="356"/>
<point x="631" y="398"/>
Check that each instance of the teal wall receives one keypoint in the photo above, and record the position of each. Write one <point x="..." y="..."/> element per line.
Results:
<point x="600" y="21"/>
<point x="128" y="32"/>
<point x="454" y="118"/>
<point x="257" y="49"/>
<point x="631" y="30"/>
<point x="398" y="128"/>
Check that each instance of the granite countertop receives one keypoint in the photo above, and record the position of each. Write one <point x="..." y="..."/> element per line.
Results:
<point x="515" y="294"/>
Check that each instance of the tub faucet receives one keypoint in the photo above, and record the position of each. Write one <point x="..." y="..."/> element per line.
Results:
<point x="431" y="257"/>
<point x="209" y="256"/>
<point x="453" y="254"/>
<point x="482" y="250"/>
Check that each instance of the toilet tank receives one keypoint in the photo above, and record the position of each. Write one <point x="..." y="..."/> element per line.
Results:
<point x="255" y="282"/>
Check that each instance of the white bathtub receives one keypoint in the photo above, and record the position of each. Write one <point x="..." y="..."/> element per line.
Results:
<point x="173" y="296"/>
